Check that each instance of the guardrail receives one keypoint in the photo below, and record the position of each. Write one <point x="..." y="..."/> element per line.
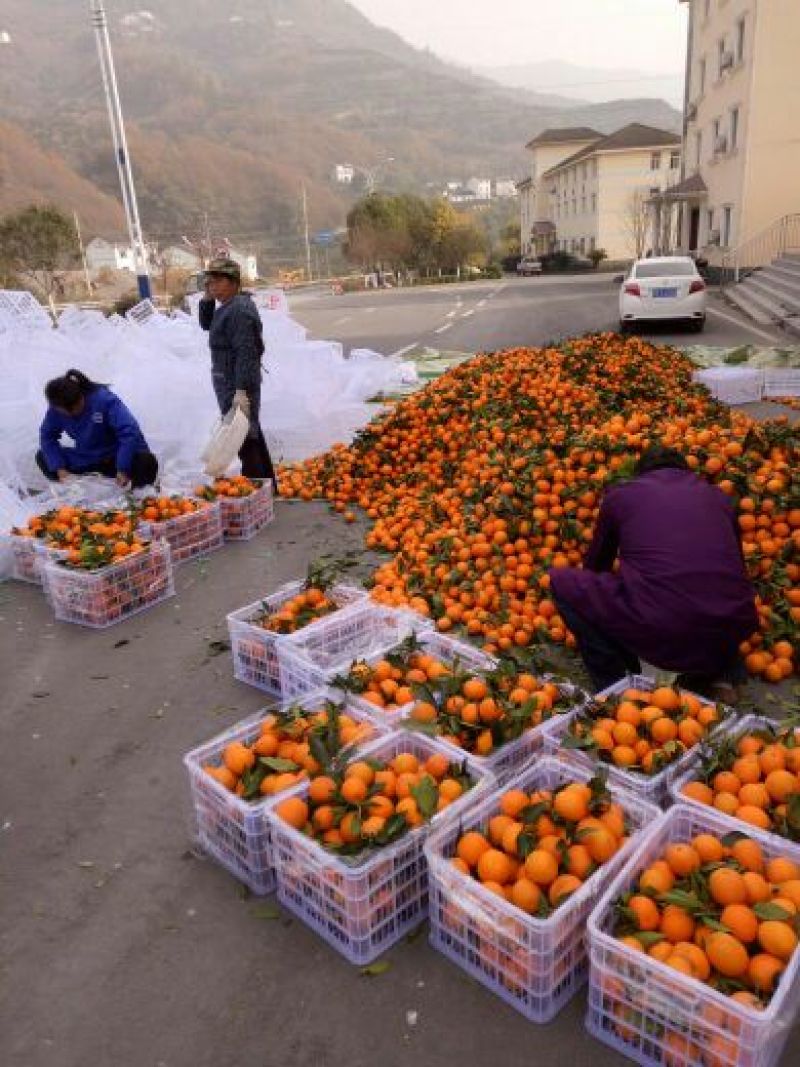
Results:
<point x="776" y="240"/>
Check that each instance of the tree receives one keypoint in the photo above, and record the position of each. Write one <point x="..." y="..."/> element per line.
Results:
<point x="597" y="255"/>
<point x="636" y="222"/>
<point x="37" y="244"/>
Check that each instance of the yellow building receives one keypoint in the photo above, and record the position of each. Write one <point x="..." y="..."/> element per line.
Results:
<point x="599" y="196"/>
<point x="537" y="230"/>
<point x="741" y="178"/>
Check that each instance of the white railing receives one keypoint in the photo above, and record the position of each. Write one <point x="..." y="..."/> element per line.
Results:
<point x="775" y="241"/>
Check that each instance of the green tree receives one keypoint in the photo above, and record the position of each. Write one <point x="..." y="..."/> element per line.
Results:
<point x="597" y="255"/>
<point x="37" y="244"/>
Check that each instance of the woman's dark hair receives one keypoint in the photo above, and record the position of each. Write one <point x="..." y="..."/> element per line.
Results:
<point x="658" y="457"/>
<point x="66" y="391"/>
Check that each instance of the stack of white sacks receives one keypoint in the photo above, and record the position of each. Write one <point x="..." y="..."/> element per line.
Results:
<point x="159" y="365"/>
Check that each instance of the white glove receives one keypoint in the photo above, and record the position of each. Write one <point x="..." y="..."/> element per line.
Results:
<point x="241" y="400"/>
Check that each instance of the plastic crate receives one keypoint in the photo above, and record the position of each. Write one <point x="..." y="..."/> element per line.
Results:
<point x="655" y="788"/>
<point x="447" y="649"/>
<point x="27" y="556"/>
<point x="536" y="965"/>
<point x="195" y="534"/>
<point x="654" y="1015"/>
<point x="781" y="381"/>
<point x="310" y="658"/>
<point x="243" y="517"/>
<point x="104" y="597"/>
<point x="362" y="905"/>
<point x="235" y="832"/>
<point x="733" y="729"/>
<point x="255" y="655"/>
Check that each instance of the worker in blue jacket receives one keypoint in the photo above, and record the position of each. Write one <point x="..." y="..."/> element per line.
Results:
<point x="237" y="345"/>
<point x="107" y="438"/>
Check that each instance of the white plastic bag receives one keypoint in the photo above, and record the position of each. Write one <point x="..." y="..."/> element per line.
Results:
<point x="227" y="438"/>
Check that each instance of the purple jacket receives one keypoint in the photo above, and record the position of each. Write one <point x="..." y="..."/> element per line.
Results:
<point x="681" y="599"/>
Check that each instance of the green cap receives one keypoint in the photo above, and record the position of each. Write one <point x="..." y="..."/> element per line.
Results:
<point x="226" y="268"/>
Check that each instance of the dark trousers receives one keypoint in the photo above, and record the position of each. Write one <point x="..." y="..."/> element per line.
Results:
<point x="607" y="660"/>
<point x="144" y="469"/>
<point x="256" y="460"/>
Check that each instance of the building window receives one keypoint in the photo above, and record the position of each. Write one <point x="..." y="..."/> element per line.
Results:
<point x="594" y="203"/>
<point x="701" y="76"/>
<point x="592" y="244"/>
<point x="655" y="161"/>
<point x="710" y="221"/>
<point x="674" y="159"/>
<point x="740" y="39"/>
<point x="720" y="56"/>
<point x="698" y="146"/>
<point x="734" y="140"/>
<point x="707" y="11"/>
<point x="716" y="133"/>
<point x="594" y="168"/>
<point x="727" y="218"/>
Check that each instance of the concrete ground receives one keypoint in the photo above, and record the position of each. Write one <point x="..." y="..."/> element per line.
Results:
<point x="119" y="946"/>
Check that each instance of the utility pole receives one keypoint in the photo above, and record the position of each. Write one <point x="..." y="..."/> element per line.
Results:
<point x="86" y="277"/>
<point x="129" y="202"/>
<point x="308" y="240"/>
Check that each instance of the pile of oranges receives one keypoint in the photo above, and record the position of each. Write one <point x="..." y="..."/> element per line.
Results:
<point x="482" y="712"/>
<point x="371" y="803"/>
<point x="542" y="846"/>
<point x="642" y="731"/>
<point x="91" y="539"/>
<point x="305" y="607"/>
<point x="164" y="508"/>
<point x="236" y="485"/>
<point x="291" y="746"/>
<point x="719" y="911"/>
<point x="754" y="776"/>
<point x="389" y="684"/>
<point x="480" y="483"/>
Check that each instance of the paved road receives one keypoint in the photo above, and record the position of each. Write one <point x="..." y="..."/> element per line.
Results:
<point x="482" y="316"/>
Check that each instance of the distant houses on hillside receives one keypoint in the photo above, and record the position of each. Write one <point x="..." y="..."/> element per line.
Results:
<point x="109" y="255"/>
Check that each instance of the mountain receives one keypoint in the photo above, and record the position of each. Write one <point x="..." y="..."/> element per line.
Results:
<point x="587" y="84"/>
<point x="230" y="107"/>
<point x="31" y="175"/>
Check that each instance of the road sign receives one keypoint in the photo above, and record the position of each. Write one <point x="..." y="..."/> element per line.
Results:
<point x="324" y="238"/>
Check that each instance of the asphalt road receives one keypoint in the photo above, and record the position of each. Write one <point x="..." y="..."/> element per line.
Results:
<point x="486" y="315"/>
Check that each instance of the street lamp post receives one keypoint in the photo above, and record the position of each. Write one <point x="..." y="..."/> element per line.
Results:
<point x="121" y="155"/>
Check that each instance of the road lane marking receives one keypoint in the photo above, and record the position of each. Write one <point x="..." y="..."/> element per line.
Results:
<point x="744" y="325"/>
<point x="482" y="302"/>
<point x="467" y="314"/>
<point x="443" y="329"/>
<point x="369" y="311"/>
<point x="338" y="322"/>
<point x="402" y="351"/>
<point x="450" y="314"/>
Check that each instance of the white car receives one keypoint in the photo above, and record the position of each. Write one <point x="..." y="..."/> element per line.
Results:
<point x="528" y="267"/>
<point x="661" y="288"/>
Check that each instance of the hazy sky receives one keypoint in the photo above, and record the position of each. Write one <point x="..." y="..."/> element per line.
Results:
<point x="641" y="34"/>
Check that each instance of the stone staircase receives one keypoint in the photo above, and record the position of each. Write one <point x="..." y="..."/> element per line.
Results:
<point x="771" y="294"/>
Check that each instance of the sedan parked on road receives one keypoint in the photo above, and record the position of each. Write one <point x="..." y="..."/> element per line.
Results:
<point x="526" y="268"/>
<point x="663" y="288"/>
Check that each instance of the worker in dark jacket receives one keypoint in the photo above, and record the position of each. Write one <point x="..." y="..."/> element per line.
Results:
<point x="680" y="598"/>
<point x="235" y="337"/>
<point x="106" y="435"/>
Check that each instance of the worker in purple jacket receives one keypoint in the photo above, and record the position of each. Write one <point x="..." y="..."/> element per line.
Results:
<point x="680" y="598"/>
<point x="106" y="437"/>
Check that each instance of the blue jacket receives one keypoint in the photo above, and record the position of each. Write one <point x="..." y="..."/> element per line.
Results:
<point x="105" y="429"/>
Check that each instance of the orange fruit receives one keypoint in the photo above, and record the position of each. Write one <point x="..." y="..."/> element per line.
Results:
<point x="727" y="955"/>
<point x="645" y="912"/>
<point x="294" y="811"/>
<point x="778" y="939"/>
<point x="498" y="824"/>
<point x="781" y="784"/>
<point x="696" y="957"/>
<point x="676" y="924"/>
<point x="658" y="878"/>
<point x="727" y="886"/>
<point x="600" y="843"/>
<point x="753" y="816"/>
<point x="495" y="866"/>
<point x="764" y="971"/>
<point x="222" y="775"/>
<point x="578" y="861"/>
<point x="572" y="803"/>
<point x="510" y="835"/>
<point x="726" y="782"/>
<point x="748" y="853"/>
<point x="354" y="789"/>
<point x="562" y="887"/>
<point x="238" y="758"/>
<point x="757" y="887"/>
<point x="665" y="698"/>
<point x="708" y="848"/>
<point x="471" y="847"/>
<point x="790" y="889"/>
<point x="437" y="765"/>
<point x="322" y="790"/>
<point x="699" y="792"/>
<point x="682" y="859"/>
<point x="405" y="763"/>
<point x="741" y="921"/>
<point x="526" y="895"/>
<point x="780" y="869"/>
<point x="512" y="802"/>
<point x="541" y="867"/>
<point x="728" y="803"/>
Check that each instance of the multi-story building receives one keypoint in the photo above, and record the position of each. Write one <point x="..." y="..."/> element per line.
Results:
<point x="741" y="160"/>
<point x="599" y="196"/>
<point x="537" y="231"/>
